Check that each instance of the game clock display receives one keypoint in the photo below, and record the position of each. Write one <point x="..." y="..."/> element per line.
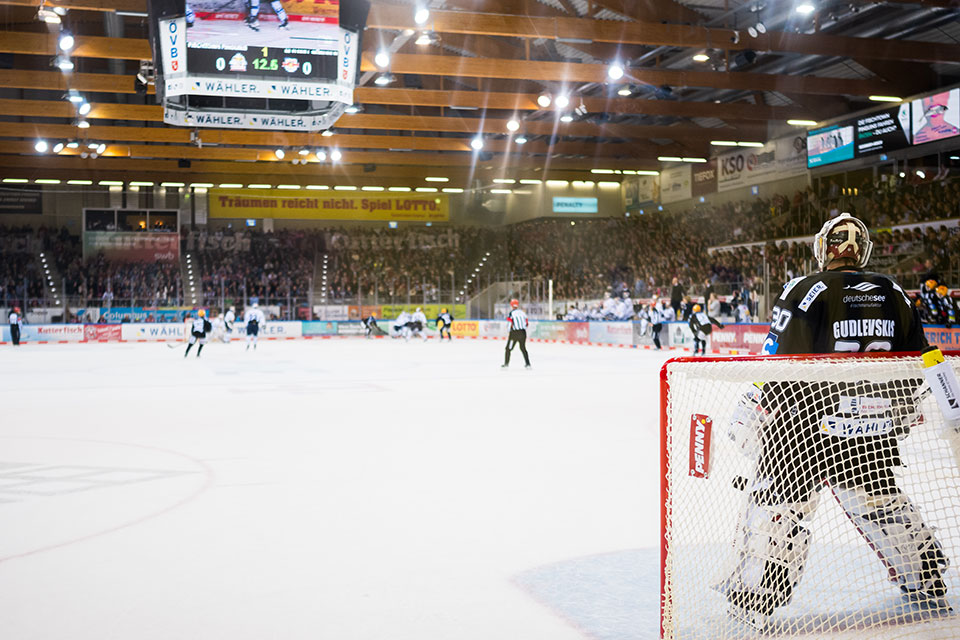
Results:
<point x="264" y="62"/>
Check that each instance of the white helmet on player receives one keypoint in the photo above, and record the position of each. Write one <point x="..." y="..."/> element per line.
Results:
<point x="843" y="237"/>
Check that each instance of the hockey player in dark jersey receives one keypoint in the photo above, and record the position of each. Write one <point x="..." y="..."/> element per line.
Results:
<point x="198" y="332"/>
<point x="811" y="436"/>
<point x="371" y="326"/>
<point x="946" y="307"/>
<point x="701" y="325"/>
<point x="444" y="322"/>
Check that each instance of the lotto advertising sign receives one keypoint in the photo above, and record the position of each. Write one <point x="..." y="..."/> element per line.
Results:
<point x="262" y="203"/>
<point x="465" y="329"/>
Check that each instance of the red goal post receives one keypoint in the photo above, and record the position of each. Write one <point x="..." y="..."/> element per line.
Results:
<point x="703" y="501"/>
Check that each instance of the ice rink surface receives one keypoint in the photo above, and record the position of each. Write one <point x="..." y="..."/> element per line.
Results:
<point x="342" y="489"/>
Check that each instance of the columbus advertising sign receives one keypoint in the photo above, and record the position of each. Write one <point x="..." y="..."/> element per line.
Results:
<point x="257" y="203"/>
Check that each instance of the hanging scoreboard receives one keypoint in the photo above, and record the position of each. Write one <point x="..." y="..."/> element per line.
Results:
<point x="280" y="65"/>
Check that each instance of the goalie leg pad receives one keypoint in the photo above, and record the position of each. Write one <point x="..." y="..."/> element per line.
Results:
<point x="896" y="531"/>
<point x="773" y="544"/>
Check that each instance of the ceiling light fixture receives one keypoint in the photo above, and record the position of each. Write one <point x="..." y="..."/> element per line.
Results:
<point x="521" y="140"/>
<point x="84" y="108"/>
<point x="383" y="79"/>
<point x="701" y="57"/>
<point x="566" y="118"/>
<point x="65" y="41"/>
<point x="477" y="143"/>
<point x="279" y="153"/>
<point x="544" y="100"/>
<point x="512" y="124"/>
<point x="802" y="123"/>
<point x="886" y="99"/>
<point x="624" y="91"/>
<point x="421" y="15"/>
<point x="335" y="155"/>
<point x="41" y="146"/>
<point x="805" y="8"/>
<point x="615" y="71"/>
<point x="669" y="159"/>
<point x="64" y="63"/>
<point x="382" y="59"/>
<point x="562" y="101"/>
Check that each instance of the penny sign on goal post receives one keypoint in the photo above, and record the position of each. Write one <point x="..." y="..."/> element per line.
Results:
<point x="701" y="427"/>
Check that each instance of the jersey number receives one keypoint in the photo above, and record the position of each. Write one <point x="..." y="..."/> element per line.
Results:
<point x="781" y="318"/>
<point x="853" y="346"/>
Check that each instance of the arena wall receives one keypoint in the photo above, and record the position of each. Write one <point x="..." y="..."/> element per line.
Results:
<point x="732" y="339"/>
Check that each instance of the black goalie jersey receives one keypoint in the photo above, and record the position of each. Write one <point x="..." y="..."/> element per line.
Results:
<point x="843" y="311"/>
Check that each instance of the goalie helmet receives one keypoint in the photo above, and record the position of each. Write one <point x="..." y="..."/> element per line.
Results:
<point x="843" y="237"/>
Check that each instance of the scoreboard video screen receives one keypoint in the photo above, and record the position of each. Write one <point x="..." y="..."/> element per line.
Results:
<point x="219" y="58"/>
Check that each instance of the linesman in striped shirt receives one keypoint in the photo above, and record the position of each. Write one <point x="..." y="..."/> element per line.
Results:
<point x="518" y="333"/>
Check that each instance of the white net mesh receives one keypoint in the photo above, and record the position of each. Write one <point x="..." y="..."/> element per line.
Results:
<point x="830" y="505"/>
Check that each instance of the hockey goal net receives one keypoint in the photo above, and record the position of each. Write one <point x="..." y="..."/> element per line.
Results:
<point x="807" y="496"/>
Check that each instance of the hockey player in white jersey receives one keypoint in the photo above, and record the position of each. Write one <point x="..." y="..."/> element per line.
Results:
<point x="401" y="326"/>
<point x="229" y="319"/>
<point x="418" y="323"/>
<point x="255" y="320"/>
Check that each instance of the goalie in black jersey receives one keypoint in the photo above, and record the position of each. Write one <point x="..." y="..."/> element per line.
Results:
<point x="701" y="325"/>
<point x="843" y="437"/>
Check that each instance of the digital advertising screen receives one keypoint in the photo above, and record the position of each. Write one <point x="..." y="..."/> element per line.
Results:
<point x="936" y="117"/>
<point x="883" y="131"/>
<point x="829" y="145"/>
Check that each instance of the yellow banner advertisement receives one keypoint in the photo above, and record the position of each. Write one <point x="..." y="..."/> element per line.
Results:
<point x="465" y="328"/>
<point x="328" y="205"/>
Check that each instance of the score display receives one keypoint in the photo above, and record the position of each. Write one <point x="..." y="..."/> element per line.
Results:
<point x="265" y="62"/>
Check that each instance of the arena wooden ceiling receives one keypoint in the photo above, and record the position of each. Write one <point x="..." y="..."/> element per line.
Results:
<point x="487" y="63"/>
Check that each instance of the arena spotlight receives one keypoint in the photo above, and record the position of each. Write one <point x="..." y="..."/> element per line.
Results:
<point x="327" y="133"/>
<point x="279" y="153"/>
<point x="64" y="63"/>
<point x="304" y="152"/>
<point x="57" y="148"/>
<point x="615" y="71"/>
<point x="562" y="101"/>
<point x="477" y="143"/>
<point x="101" y="148"/>
<point x="352" y="109"/>
<point x="421" y="15"/>
<point x="805" y="8"/>
<point x="84" y="108"/>
<point x="65" y="41"/>
<point x="321" y="155"/>
<point x="382" y="59"/>
<point x="566" y="118"/>
<point x="74" y="96"/>
<point x="383" y="79"/>
<point x="701" y="57"/>
<point x="521" y="140"/>
<point x="82" y="124"/>
<point x="335" y="155"/>
<point x="624" y="91"/>
<point x="41" y="146"/>
<point x="544" y="100"/>
<point x="512" y="124"/>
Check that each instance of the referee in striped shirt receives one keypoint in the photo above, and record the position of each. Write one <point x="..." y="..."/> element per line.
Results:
<point x="518" y="333"/>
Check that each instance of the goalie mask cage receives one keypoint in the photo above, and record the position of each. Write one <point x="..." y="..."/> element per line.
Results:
<point x="900" y="485"/>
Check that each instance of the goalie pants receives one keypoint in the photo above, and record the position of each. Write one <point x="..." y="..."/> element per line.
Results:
<point x="517" y="337"/>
